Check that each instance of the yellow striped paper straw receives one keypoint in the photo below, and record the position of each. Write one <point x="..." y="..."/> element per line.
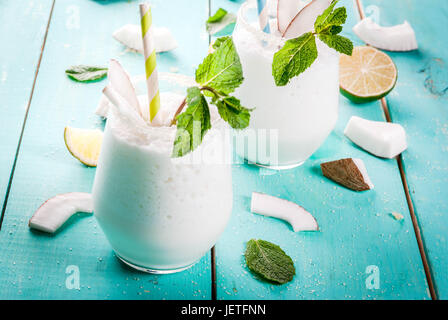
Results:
<point x="149" y="51"/>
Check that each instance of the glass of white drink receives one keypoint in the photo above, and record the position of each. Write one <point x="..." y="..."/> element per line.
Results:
<point x="289" y="123"/>
<point x="160" y="214"/>
<point x="163" y="188"/>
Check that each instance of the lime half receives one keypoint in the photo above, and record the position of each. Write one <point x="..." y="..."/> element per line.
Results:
<point x="367" y="75"/>
<point x="84" y="144"/>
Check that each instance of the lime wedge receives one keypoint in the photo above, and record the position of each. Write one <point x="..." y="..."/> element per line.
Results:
<point x="367" y="75"/>
<point x="84" y="144"/>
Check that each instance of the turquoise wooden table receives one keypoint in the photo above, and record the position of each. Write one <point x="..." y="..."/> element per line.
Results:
<point x="358" y="240"/>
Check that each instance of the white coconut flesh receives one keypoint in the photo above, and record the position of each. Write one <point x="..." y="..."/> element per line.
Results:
<point x="304" y="21"/>
<point x="130" y="35"/>
<point x="395" y="38"/>
<point x="286" y="11"/>
<point x="383" y="139"/>
<point x="295" y="215"/>
<point x="54" y="212"/>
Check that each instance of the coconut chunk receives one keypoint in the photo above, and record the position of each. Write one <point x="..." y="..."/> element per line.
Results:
<point x="297" y="216"/>
<point x="286" y="11"/>
<point x="397" y="216"/>
<point x="396" y="38"/>
<point x="130" y="35"/>
<point x="350" y="173"/>
<point x="304" y="20"/>
<point x="383" y="139"/>
<point x="54" y="212"/>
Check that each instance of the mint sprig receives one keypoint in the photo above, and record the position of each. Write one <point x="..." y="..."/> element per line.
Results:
<point x="83" y="73"/>
<point x="217" y="76"/>
<point x="269" y="261"/>
<point x="221" y="70"/>
<point x="299" y="54"/>
<point x="220" y="21"/>
<point x="193" y="124"/>
<point x="295" y="57"/>
<point x="218" y="16"/>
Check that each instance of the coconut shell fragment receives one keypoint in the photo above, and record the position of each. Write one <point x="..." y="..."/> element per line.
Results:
<point x="350" y="173"/>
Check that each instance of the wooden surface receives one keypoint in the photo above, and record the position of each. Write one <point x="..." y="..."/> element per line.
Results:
<point x="419" y="102"/>
<point x="357" y="231"/>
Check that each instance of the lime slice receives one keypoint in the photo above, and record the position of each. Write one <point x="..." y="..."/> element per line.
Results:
<point x="367" y="75"/>
<point x="84" y="144"/>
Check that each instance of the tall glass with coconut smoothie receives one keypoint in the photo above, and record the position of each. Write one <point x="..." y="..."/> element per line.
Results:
<point x="289" y="123"/>
<point x="160" y="214"/>
<point x="163" y="188"/>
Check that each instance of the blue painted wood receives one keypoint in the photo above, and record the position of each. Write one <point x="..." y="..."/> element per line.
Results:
<point x="22" y="29"/>
<point x="419" y="102"/>
<point x="357" y="230"/>
<point x="34" y="265"/>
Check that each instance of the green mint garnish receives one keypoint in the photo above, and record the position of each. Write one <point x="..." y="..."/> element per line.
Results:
<point x="192" y="124"/>
<point x="84" y="73"/>
<point x="337" y="42"/>
<point x="221" y="69"/>
<point x="218" y="16"/>
<point x="295" y="57"/>
<point x="220" y="21"/>
<point x="269" y="261"/>
<point x="232" y="112"/>
<point x="299" y="54"/>
<point x="330" y="17"/>
<point x="217" y="76"/>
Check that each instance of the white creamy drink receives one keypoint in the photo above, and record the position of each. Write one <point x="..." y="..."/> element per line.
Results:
<point x="296" y="118"/>
<point x="160" y="214"/>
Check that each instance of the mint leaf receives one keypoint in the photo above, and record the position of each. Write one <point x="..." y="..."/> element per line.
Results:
<point x="338" y="17"/>
<point x="294" y="58"/>
<point x="221" y="69"/>
<point x="218" y="75"/>
<point x="218" y="16"/>
<point x="219" y="41"/>
<point x="321" y="20"/>
<point x="299" y="54"/>
<point x="84" y="73"/>
<point x="269" y="261"/>
<point x="192" y="124"/>
<point x="231" y="111"/>
<point x="330" y="18"/>
<point x="332" y="30"/>
<point x="337" y="42"/>
<point x="221" y="25"/>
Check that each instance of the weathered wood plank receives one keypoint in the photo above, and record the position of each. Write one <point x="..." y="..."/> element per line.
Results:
<point x="22" y="30"/>
<point x="356" y="228"/>
<point x="33" y="265"/>
<point x="419" y="103"/>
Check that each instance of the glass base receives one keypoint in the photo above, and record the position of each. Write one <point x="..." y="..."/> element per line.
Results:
<point x="286" y="167"/>
<point x="150" y="270"/>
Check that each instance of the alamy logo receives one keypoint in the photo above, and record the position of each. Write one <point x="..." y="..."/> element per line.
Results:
<point x="73" y="19"/>
<point x="72" y="280"/>
<point x="373" y="280"/>
<point x="373" y="12"/>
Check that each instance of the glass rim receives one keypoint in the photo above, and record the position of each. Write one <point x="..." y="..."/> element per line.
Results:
<point x="269" y="38"/>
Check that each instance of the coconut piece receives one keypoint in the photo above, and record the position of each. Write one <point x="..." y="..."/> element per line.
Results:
<point x="397" y="216"/>
<point x="297" y="216"/>
<point x="103" y="107"/>
<point x="396" y="38"/>
<point x="304" y="20"/>
<point x="286" y="11"/>
<point x="176" y="79"/>
<point x="123" y="107"/>
<point x="54" y="212"/>
<point x="130" y="35"/>
<point x="350" y="173"/>
<point x="383" y="139"/>
<point x="120" y="81"/>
